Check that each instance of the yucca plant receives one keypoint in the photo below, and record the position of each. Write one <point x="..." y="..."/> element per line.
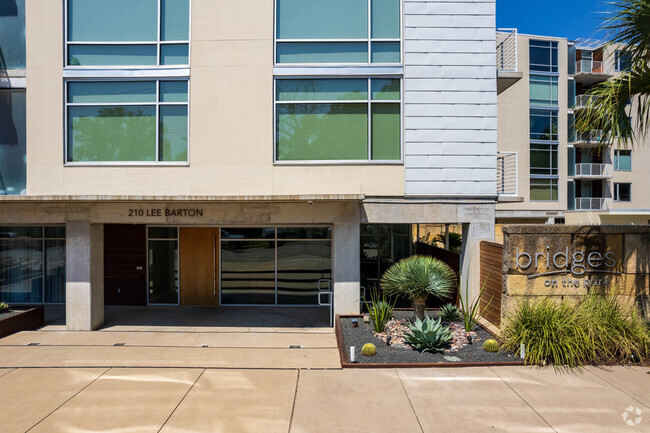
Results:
<point x="450" y="313"/>
<point x="418" y="277"/>
<point x="470" y="309"/>
<point x="428" y="335"/>
<point x="380" y="309"/>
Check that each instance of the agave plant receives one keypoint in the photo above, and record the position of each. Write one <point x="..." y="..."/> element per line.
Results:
<point x="418" y="277"/>
<point x="428" y="335"/>
<point x="450" y="313"/>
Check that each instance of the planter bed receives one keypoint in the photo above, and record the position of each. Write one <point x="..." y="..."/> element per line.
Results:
<point x="21" y="320"/>
<point x="468" y="355"/>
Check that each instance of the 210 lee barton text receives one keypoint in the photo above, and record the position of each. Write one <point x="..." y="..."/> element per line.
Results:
<point x="159" y="212"/>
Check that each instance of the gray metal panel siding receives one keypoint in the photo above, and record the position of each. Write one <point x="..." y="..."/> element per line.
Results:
<point x="450" y="99"/>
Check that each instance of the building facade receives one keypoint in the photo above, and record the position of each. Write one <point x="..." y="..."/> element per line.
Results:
<point x="195" y="152"/>
<point x="547" y="172"/>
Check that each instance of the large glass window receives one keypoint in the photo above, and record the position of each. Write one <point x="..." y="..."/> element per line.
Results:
<point x="543" y="159"/>
<point x="623" y="160"/>
<point x="274" y="266"/>
<point x="571" y="93"/>
<point x="543" y="56"/>
<point x="12" y="142"/>
<point x="352" y="119"/>
<point x="128" y="32"/>
<point x="163" y="265"/>
<point x="543" y="189"/>
<point x="543" y="91"/>
<point x="127" y="121"/>
<point x="338" y="31"/>
<point x="12" y="34"/>
<point x="622" y="192"/>
<point x="543" y="125"/>
<point x="32" y="264"/>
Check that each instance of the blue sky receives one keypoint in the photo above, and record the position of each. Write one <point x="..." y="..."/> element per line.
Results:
<point x="571" y="19"/>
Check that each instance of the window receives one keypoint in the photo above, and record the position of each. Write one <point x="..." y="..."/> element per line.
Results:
<point x="32" y="264"/>
<point x="12" y="34"/>
<point x="543" y="189"/>
<point x="543" y="159"/>
<point x="571" y="94"/>
<point x="543" y="91"/>
<point x="623" y="61"/>
<point x="571" y="127"/>
<point x="127" y="121"/>
<point x="338" y="31"/>
<point x="623" y="160"/>
<point x="543" y="125"/>
<point x="354" y="119"/>
<point x="543" y="56"/>
<point x="622" y="192"/>
<point x="13" y="173"/>
<point x="571" y="67"/>
<point x="127" y="32"/>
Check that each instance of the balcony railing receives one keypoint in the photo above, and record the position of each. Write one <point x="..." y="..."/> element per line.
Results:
<point x="594" y="136"/>
<point x="590" y="67"/>
<point x="584" y="100"/>
<point x="593" y="170"/>
<point x="507" y="50"/>
<point x="588" y="203"/>
<point x="507" y="173"/>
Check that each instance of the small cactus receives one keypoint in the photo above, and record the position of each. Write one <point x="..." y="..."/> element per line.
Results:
<point x="369" y="349"/>
<point x="491" y="346"/>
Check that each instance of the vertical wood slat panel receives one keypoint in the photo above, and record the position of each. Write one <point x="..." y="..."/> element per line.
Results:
<point x="491" y="276"/>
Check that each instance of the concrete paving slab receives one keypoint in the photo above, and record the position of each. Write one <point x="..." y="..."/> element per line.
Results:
<point x="170" y="339"/>
<point x="572" y="402"/>
<point x="125" y="356"/>
<point x="237" y="401"/>
<point x="123" y="400"/>
<point x="352" y="401"/>
<point x="28" y="396"/>
<point x="468" y="400"/>
<point x="633" y="381"/>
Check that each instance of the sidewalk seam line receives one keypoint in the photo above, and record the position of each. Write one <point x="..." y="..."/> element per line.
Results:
<point x="524" y="400"/>
<point x="73" y="396"/>
<point x="295" y="397"/>
<point x="181" y="401"/>
<point x="409" y="400"/>
<point x="617" y="388"/>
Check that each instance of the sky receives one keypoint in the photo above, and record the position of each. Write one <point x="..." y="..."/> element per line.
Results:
<point x="570" y="19"/>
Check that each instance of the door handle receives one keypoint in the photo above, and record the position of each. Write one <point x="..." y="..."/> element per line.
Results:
<point x="214" y="266"/>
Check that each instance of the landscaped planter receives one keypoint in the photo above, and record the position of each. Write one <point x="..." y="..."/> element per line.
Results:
<point x="469" y="355"/>
<point x="25" y="320"/>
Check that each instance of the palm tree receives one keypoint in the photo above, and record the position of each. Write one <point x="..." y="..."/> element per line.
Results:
<point x="628" y="28"/>
<point x="417" y="277"/>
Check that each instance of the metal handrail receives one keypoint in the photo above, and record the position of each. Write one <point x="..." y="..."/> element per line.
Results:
<point x="591" y="203"/>
<point x="507" y="50"/>
<point x="591" y="169"/>
<point x="590" y="67"/>
<point x="329" y="293"/>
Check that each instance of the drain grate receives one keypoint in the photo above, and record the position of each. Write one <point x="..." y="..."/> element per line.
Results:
<point x="119" y="344"/>
<point x="205" y="345"/>
<point x="295" y="346"/>
<point x="33" y="344"/>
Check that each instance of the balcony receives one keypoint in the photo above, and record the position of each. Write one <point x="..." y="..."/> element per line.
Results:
<point x="592" y="203"/>
<point x="507" y="73"/>
<point x="593" y="171"/>
<point x="507" y="176"/>
<point x="587" y="139"/>
<point x="592" y="71"/>
<point x="583" y="101"/>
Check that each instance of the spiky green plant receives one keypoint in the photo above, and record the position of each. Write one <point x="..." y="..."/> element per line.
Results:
<point x="428" y="335"/>
<point x="628" y="30"/>
<point x="491" y="345"/>
<point x="4" y="307"/>
<point x="369" y="349"/>
<point x="471" y="308"/>
<point x="418" y="277"/>
<point x="450" y="313"/>
<point x="380" y="309"/>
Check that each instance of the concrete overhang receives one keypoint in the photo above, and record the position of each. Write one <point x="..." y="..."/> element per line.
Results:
<point x="505" y="79"/>
<point x="181" y="198"/>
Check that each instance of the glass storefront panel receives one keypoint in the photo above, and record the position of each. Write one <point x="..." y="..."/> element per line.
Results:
<point x="247" y="272"/>
<point x="21" y="270"/>
<point x="163" y="271"/>
<point x="55" y="270"/>
<point x="300" y="265"/>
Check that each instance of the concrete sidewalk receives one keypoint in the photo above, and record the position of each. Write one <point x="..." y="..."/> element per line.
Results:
<point x="501" y="399"/>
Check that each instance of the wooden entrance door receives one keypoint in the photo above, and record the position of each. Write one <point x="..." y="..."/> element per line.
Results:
<point x="199" y="263"/>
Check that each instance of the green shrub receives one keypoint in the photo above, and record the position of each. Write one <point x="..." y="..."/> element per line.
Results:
<point x="597" y="329"/>
<point x="418" y="277"/>
<point x="450" y="313"/>
<point x="380" y="310"/>
<point x="369" y="349"/>
<point x="428" y="335"/>
<point x="4" y="307"/>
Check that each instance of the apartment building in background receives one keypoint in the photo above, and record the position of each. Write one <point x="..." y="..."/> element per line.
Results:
<point x="547" y="172"/>
<point x="200" y="152"/>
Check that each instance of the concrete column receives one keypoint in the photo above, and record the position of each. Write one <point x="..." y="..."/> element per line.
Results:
<point x="346" y="266"/>
<point x="84" y="299"/>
